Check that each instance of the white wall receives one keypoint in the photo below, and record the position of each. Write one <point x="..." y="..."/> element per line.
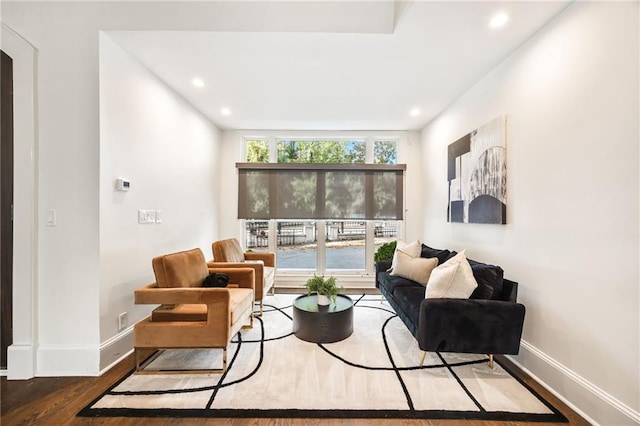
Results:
<point x="571" y="98"/>
<point x="67" y="319"/>
<point x="66" y="323"/>
<point x="168" y="151"/>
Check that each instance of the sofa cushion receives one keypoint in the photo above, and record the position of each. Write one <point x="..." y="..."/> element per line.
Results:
<point x="391" y="282"/>
<point x="441" y="254"/>
<point x="489" y="279"/>
<point x="417" y="269"/>
<point x="412" y="249"/>
<point x="452" y="280"/>
<point x="182" y="269"/>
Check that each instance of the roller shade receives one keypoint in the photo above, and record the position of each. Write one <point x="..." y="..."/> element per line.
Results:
<point x="320" y="191"/>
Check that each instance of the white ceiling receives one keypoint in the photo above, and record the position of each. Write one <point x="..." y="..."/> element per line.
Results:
<point x="355" y="77"/>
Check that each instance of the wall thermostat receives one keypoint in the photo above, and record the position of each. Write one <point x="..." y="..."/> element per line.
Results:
<point x="122" y="184"/>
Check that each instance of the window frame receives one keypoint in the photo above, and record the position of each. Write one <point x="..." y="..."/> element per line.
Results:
<point x="272" y="139"/>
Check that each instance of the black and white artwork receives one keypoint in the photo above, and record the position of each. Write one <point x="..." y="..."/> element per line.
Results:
<point x="477" y="175"/>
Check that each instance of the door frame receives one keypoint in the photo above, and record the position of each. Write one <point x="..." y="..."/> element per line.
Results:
<point x="6" y="206"/>
<point x="21" y="356"/>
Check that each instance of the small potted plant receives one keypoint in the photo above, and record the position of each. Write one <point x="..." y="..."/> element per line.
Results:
<point x="326" y="289"/>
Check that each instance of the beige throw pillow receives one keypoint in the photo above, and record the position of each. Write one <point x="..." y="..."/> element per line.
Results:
<point x="412" y="249"/>
<point x="417" y="269"/>
<point x="452" y="280"/>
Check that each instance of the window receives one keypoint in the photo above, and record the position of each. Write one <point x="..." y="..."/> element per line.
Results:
<point x="323" y="205"/>
<point x="345" y="245"/>
<point x="385" y="152"/>
<point x="321" y="152"/>
<point x="257" y="151"/>
<point x="297" y="245"/>
<point x="257" y="235"/>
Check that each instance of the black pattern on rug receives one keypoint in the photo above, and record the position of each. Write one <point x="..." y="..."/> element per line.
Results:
<point x="372" y="374"/>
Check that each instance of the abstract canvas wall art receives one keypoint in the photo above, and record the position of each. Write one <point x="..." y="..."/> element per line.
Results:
<point x="477" y="175"/>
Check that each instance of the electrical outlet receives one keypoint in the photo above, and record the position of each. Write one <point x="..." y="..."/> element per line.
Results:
<point x="123" y="321"/>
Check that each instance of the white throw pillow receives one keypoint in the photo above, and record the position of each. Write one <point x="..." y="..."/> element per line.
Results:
<point x="412" y="249"/>
<point x="452" y="280"/>
<point x="417" y="269"/>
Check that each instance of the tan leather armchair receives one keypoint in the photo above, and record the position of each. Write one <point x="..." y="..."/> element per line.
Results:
<point x="191" y="316"/>
<point x="228" y="253"/>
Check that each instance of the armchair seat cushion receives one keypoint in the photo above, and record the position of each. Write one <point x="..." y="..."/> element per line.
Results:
<point x="269" y="276"/>
<point x="241" y="300"/>
<point x="183" y="312"/>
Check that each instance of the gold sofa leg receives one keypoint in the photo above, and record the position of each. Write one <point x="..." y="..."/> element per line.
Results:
<point x="424" y="354"/>
<point x="491" y="361"/>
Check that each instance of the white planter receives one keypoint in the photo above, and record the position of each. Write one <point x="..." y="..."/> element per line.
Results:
<point x="323" y="300"/>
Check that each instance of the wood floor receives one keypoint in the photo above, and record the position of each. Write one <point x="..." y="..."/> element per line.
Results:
<point x="56" y="400"/>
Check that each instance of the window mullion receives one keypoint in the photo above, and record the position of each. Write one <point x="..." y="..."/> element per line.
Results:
<point x="369" y="247"/>
<point x="369" y="150"/>
<point x="321" y="252"/>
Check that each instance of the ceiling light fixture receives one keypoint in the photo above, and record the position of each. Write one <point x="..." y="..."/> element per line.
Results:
<point x="415" y="112"/>
<point x="499" y="20"/>
<point x="198" y="82"/>
<point x="225" y="111"/>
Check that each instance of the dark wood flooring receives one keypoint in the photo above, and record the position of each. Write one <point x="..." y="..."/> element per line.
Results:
<point x="56" y="400"/>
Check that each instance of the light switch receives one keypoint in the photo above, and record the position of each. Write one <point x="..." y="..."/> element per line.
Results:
<point x="146" y="216"/>
<point x="51" y="217"/>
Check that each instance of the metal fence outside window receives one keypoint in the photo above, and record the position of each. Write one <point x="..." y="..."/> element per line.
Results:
<point x="300" y="233"/>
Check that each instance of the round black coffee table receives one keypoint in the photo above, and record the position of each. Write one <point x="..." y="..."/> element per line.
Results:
<point x="322" y="324"/>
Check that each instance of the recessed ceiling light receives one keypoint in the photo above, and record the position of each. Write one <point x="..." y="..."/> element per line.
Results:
<point x="499" y="20"/>
<point x="225" y="111"/>
<point x="415" y="112"/>
<point x="198" y="82"/>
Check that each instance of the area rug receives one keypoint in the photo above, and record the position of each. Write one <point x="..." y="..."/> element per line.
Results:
<point x="374" y="373"/>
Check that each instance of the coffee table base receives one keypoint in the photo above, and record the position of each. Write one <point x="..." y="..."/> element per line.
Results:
<point x="326" y="325"/>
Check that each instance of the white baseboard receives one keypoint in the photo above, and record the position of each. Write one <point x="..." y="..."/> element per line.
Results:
<point x="72" y="360"/>
<point x="58" y="361"/>
<point x="115" y="349"/>
<point x="594" y="404"/>
<point x="21" y="362"/>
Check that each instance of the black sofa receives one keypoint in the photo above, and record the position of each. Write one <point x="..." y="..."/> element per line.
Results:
<point x="489" y="322"/>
